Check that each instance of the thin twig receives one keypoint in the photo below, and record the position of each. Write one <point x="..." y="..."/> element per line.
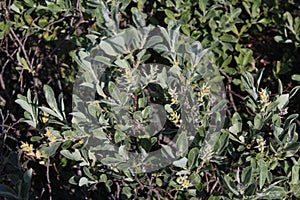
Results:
<point x="21" y="46"/>
<point x="214" y="186"/>
<point x="207" y="182"/>
<point x="237" y="95"/>
<point x="1" y="75"/>
<point x="151" y="189"/>
<point x="298" y="122"/>
<point x="55" y="22"/>
<point x="48" y="179"/>
<point x="228" y="87"/>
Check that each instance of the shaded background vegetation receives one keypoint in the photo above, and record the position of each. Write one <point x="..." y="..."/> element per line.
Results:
<point x="38" y="42"/>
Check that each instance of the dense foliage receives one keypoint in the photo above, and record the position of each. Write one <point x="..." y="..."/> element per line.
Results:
<point x="251" y="46"/>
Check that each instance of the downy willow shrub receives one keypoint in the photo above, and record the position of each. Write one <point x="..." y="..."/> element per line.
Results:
<point x="129" y="76"/>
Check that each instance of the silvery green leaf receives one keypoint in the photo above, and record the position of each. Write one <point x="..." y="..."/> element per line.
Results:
<point x="24" y="105"/>
<point x="230" y="184"/>
<point x="53" y="148"/>
<point x="83" y="181"/>
<point x="294" y="91"/>
<point x="49" y="94"/>
<point x="161" y="48"/>
<point x="122" y="63"/>
<point x="141" y="54"/>
<point x="167" y="151"/>
<point x="152" y="41"/>
<point x="51" y="112"/>
<point x="220" y="105"/>
<point x="103" y="60"/>
<point x="275" y="192"/>
<point x="114" y="91"/>
<point x="263" y="172"/>
<point x="283" y="101"/>
<point x="248" y="83"/>
<point x="119" y="136"/>
<point x="193" y="156"/>
<point x="123" y="152"/>
<point x="138" y="17"/>
<point x="100" y="89"/>
<point x="27" y="176"/>
<point x="295" y="174"/>
<point x="296" y="77"/>
<point x="181" y="163"/>
<point x="162" y="78"/>
<point x="108" y="48"/>
<point x="119" y="44"/>
<point x="236" y="123"/>
<point x="175" y="70"/>
<point x="182" y="144"/>
<point x="259" y="77"/>
<point x="258" y="121"/>
<point x="72" y="156"/>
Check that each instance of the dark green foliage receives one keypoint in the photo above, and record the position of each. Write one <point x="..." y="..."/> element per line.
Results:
<point x="254" y="47"/>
